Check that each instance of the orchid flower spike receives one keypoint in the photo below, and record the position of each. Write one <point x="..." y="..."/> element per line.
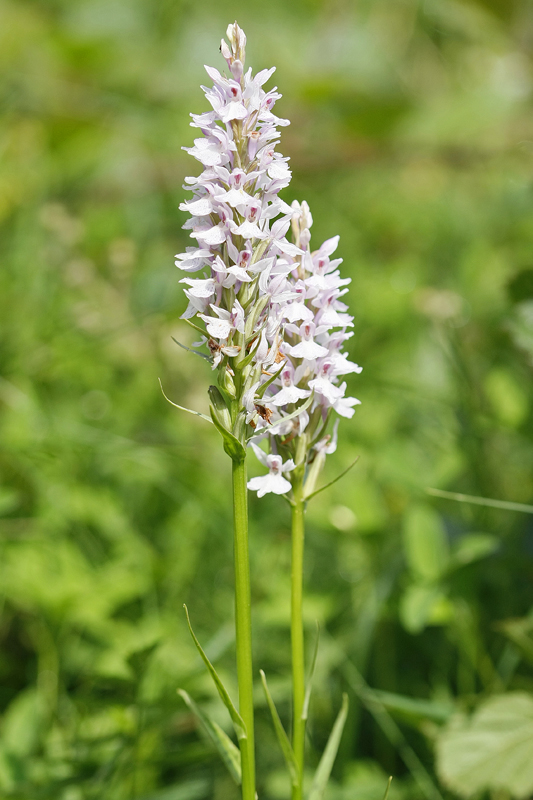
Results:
<point x="315" y="329"/>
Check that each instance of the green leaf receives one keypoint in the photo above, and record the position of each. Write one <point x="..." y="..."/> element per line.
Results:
<point x="182" y="408"/>
<point x="388" y="788"/>
<point x="519" y="631"/>
<point x="474" y="546"/>
<point x="423" y="605"/>
<point x="425" y="543"/>
<point x="232" y="446"/>
<point x="283" y="739"/>
<point x="23" y="723"/>
<point x="229" y="752"/>
<point x="339" y="476"/>
<point x="238" y="722"/>
<point x="493" y="750"/>
<point x="325" y="766"/>
<point x="414" y="709"/>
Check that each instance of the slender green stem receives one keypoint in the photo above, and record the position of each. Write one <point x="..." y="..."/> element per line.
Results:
<point x="297" y="635"/>
<point x="243" y="626"/>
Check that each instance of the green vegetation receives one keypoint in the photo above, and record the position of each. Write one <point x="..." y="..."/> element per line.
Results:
<point x="411" y="136"/>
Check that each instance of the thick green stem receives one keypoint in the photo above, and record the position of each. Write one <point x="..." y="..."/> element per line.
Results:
<point x="243" y="626"/>
<point x="297" y="635"/>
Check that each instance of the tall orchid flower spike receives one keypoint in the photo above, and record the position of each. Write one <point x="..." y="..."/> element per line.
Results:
<point x="315" y="326"/>
<point x="273" y="328"/>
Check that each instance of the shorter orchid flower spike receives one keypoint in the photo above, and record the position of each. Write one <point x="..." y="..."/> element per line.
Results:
<point x="274" y="480"/>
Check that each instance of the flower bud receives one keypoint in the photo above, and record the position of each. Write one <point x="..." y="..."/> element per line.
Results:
<point x="225" y="382"/>
<point x="219" y="407"/>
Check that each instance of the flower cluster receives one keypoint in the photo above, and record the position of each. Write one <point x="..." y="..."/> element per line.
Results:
<point x="273" y="320"/>
<point x="315" y="327"/>
<point x="239" y="223"/>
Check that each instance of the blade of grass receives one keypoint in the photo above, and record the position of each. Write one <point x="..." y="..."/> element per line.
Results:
<point x="227" y="750"/>
<point x="481" y="501"/>
<point x="283" y="739"/>
<point x="325" y="765"/>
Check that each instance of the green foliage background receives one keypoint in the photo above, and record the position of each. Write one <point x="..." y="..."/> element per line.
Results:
<point x="412" y="137"/>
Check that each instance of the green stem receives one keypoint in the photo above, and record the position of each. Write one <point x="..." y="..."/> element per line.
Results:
<point x="243" y="626"/>
<point x="297" y="635"/>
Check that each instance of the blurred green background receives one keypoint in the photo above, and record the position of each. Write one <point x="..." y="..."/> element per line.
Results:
<point x="412" y="137"/>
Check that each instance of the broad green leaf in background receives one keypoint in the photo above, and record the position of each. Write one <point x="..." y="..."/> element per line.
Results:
<point x="229" y="752"/>
<point x="423" y="605"/>
<point x="320" y="781"/>
<point x="491" y="750"/>
<point x="507" y="397"/>
<point x="425" y="543"/>
<point x="22" y="723"/>
<point x="474" y="546"/>
<point x="520" y="632"/>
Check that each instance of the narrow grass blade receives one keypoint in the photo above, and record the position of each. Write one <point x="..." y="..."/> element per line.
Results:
<point x="325" y="766"/>
<point x="481" y="501"/>
<point x="228" y="751"/>
<point x="392" y="731"/>
<point x="182" y="408"/>
<point x="238" y="723"/>
<point x="308" y="688"/>
<point x="327" y="485"/>
<point x="283" y="739"/>
<point x="191" y="350"/>
<point x="388" y="788"/>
